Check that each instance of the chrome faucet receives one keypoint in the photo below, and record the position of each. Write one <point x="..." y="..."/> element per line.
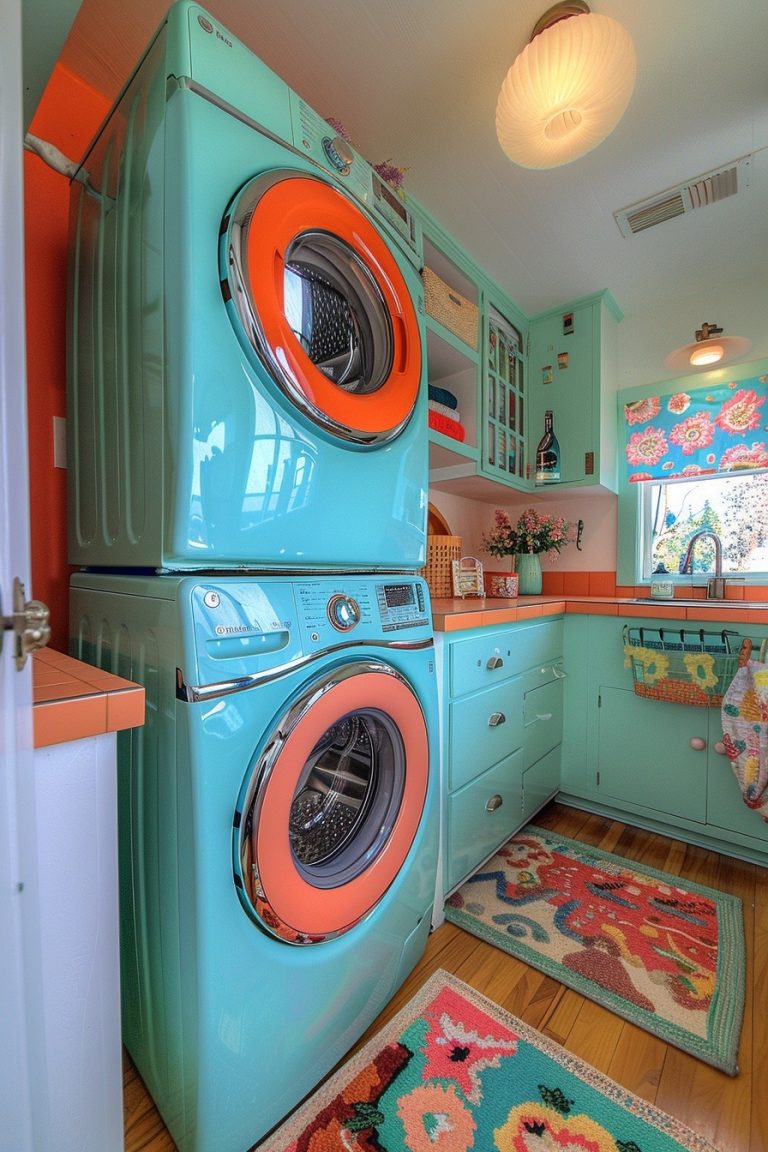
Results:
<point x="715" y="584"/>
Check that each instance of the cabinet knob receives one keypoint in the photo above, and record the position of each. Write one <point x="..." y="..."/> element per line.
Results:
<point x="698" y="743"/>
<point x="495" y="719"/>
<point x="494" y="662"/>
<point x="494" y="803"/>
<point x="720" y="748"/>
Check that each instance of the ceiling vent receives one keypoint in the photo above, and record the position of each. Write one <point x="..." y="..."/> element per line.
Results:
<point x="696" y="193"/>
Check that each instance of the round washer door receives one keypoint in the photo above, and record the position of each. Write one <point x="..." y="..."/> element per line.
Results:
<point x="315" y="293"/>
<point x="331" y="806"/>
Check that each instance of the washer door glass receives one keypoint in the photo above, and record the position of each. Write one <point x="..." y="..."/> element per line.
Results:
<point x="332" y="804"/>
<point x="316" y="295"/>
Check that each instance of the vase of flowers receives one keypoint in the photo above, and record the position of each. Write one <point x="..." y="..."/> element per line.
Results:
<point x="526" y="540"/>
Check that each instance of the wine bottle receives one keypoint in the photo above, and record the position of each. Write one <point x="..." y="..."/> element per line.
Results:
<point x="548" y="454"/>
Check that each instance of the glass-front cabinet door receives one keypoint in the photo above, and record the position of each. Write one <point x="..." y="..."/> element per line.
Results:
<point x="504" y="414"/>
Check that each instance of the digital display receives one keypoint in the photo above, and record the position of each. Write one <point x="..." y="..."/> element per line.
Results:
<point x="395" y="595"/>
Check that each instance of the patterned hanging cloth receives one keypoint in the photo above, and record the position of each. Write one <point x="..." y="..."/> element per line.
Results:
<point x="745" y="728"/>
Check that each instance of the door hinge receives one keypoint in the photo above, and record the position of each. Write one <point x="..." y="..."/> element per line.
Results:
<point x="597" y="779"/>
<point x="599" y="700"/>
<point x="589" y="463"/>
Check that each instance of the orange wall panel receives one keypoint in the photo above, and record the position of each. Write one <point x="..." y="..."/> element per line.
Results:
<point x="67" y="116"/>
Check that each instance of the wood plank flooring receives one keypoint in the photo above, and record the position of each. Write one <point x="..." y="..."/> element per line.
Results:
<point x="731" y="1112"/>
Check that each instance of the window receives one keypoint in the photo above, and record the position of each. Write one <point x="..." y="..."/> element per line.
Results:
<point x="735" y="507"/>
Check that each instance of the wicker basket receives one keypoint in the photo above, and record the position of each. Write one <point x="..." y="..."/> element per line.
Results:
<point x="438" y="572"/>
<point x="450" y="308"/>
<point x="681" y="667"/>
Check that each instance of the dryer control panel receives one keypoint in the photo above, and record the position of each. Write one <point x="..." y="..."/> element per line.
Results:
<point x="322" y="143"/>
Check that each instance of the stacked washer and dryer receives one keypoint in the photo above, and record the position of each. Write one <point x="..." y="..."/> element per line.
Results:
<point x="248" y="464"/>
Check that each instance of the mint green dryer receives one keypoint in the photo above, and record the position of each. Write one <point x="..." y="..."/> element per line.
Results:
<point x="246" y="381"/>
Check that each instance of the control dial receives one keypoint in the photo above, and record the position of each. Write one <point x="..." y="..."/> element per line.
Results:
<point x="339" y="153"/>
<point x="343" y="612"/>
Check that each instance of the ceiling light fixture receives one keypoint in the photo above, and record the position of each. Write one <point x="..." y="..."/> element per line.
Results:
<point x="710" y="347"/>
<point x="568" y="88"/>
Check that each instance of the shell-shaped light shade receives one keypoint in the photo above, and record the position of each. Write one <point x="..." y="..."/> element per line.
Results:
<point x="566" y="91"/>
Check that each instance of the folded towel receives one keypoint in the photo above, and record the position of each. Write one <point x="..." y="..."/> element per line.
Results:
<point x="449" y="413"/>
<point x="443" y="396"/>
<point x="448" y="427"/>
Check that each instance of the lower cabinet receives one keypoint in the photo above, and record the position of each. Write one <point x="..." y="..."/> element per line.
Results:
<point x="646" y="761"/>
<point x="644" y="754"/>
<point x="502" y="714"/>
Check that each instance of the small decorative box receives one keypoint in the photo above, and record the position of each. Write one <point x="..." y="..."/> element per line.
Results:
<point x="503" y="584"/>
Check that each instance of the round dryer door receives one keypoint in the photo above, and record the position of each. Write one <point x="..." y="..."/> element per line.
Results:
<point x="332" y="804"/>
<point x="316" y="295"/>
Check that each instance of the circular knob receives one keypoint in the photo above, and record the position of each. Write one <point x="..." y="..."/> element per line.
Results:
<point x="720" y="748"/>
<point x="339" y="153"/>
<point x="343" y="612"/>
<point x="697" y="743"/>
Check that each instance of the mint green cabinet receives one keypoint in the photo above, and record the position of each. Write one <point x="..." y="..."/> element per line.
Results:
<point x="644" y="755"/>
<point x="501" y="708"/>
<point x="504" y="400"/>
<point x="645" y="761"/>
<point x="572" y="369"/>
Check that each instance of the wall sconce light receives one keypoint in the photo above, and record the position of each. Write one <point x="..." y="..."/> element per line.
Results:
<point x="568" y="88"/>
<point x="710" y="347"/>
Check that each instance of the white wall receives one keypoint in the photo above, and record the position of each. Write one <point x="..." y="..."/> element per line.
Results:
<point x="470" y="519"/>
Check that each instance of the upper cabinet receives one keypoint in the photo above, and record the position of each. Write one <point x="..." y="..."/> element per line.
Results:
<point x="493" y="373"/>
<point x="572" y="368"/>
<point x="475" y="344"/>
<point x="504" y="399"/>
<point x="452" y="301"/>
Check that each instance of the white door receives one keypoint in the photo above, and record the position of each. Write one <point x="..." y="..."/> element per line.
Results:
<point x="15" y="687"/>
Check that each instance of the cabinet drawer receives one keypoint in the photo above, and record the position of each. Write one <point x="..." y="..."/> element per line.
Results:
<point x="543" y="718"/>
<point x="481" y="817"/>
<point x="494" y="656"/>
<point x="541" y="781"/>
<point x="483" y="728"/>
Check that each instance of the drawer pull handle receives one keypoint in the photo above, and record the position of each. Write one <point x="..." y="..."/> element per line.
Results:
<point x="494" y="803"/>
<point x="494" y="662"/>
<point x="544" y="716"/>
<point x="495" y="719"/>
<point x="559" y="673"/>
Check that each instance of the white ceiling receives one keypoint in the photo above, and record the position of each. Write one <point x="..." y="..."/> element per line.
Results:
<point x="416" y="82"/>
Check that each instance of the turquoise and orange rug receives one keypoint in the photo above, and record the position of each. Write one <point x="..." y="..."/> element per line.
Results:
<point x="454" y="1072"/>
<point x="664" y="953"/>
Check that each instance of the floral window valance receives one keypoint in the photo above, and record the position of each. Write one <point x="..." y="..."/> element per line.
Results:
<point x="698" y="433"/>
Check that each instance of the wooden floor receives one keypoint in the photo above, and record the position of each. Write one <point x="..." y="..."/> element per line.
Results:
<point x="731" y="1112"/>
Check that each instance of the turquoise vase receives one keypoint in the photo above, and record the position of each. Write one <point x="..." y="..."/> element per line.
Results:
<point x="528" y="568"/>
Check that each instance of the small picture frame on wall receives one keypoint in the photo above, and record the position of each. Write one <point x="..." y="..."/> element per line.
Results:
<point x="468" y="577"/>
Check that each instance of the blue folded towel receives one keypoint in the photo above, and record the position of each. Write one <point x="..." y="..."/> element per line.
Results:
<point x="443" y="396"/>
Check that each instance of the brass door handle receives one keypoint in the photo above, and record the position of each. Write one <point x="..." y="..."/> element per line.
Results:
<point x="29" y="622"/>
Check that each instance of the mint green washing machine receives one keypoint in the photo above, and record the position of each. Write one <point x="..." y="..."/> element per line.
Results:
<point x="278" y="825"/>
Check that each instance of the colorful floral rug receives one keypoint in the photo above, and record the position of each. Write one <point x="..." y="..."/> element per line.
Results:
<point x="666" y="954"/>
<point x="453" y="1071"/>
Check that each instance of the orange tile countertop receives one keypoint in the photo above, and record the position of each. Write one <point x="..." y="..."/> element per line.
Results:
<point x="454" y="615"/>
<point x="72" y="700"/>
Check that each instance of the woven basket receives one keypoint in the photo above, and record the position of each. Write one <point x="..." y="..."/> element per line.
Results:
<point x="438" y="572"/>
<point x="449" y="307"/>
<point x="680" y="667"/>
